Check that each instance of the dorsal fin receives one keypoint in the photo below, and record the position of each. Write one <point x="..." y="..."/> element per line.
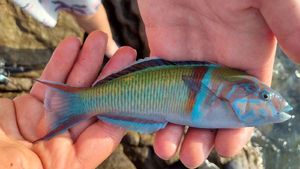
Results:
<point x="147" y="63"/>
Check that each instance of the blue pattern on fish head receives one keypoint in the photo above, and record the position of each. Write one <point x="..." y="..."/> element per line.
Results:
<point x="256" y="104"/>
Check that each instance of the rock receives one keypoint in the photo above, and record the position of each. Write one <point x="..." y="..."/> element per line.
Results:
<point x="23" y="36"/>
<point x="29" y="74"/>
<point x="144" y="157"/>
<point x="17" y="84"/>
<point x="146" y="139"/>
<point x="249" y="158"/>
<point x="208" y="165"/>
<point x="131" y="138"/>
<point x="10" y="95"/>
<point x="135" y="139"/>
<point x="118" y="160"/>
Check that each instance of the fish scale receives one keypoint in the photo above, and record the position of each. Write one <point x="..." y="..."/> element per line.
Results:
<point x="154" y="98"/>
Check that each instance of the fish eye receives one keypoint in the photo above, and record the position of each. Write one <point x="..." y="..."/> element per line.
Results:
<point x="266" y="96"/>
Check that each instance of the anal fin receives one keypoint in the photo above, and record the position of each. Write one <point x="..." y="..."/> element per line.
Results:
<point x="139" y="125"/>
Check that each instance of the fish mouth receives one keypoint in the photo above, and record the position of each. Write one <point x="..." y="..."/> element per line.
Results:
<point x="284" y="116"/>
<point x="287" y="108"/>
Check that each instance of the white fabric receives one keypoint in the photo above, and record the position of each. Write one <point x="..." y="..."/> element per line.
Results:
<point x="46" y="11"/>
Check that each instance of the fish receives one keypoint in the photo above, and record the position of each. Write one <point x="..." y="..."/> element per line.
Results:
<point x="150" y="93"/>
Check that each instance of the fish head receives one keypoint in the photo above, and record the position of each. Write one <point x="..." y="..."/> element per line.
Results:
<point x="257" y="104"/>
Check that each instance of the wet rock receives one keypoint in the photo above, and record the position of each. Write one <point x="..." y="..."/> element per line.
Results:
<point x="208" y="165"/>
<point x="144" y="157"/>
<point x="249" y="158"/>
<point x="118" y="160"/>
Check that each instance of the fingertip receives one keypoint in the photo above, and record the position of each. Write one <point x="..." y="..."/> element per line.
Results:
<point x="167" y="140"/>
<point x="69" y="42"/>
<point x="59" y="65"/>
<point x="122" y="58"/>
<point x="98" y="36"/>
<point x="229" y="142"/>
<point x="196" y="147"/>
<point x="97" y="142"/>
<point x="129" y="52"/>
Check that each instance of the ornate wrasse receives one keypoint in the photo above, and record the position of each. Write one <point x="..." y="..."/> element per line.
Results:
<point x="150" y="93"/>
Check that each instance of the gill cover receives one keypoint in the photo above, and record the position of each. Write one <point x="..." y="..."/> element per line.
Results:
<point x="247" y="104"/>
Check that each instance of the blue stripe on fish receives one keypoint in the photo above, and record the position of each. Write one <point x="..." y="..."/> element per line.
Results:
<point x="142" y="126"/>
<point x="220" y="88"/>
<point x="248" y="117"/>
<point x="230" y="93"/>
<point x="201" y="96"/>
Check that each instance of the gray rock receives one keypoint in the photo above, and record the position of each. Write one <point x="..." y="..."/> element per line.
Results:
<point x="144" y="157"/>
<point x="118" y="160"/>
<point x="208" y="165"/>
<point x="249" y="158"/>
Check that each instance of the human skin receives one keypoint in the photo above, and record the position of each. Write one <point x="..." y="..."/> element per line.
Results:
<point x="22" y="119"/>
<point x="241" y="34"/>
<point x="98" y="21"/>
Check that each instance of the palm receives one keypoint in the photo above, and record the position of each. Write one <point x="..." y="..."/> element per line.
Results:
<point x="233" y="33"/>
<point x="83" y="146"/>
<point x="226" y="33"/>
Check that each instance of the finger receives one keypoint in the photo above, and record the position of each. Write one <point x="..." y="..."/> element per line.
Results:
<point x="287" y="33"/>
<point x="167" y="140"/>
<point x="59" y="65"/>
<point x="88" y="64"/>
<point x="121" y="59"/>
<point x="8" y="119"/>
<point x="229" y="142"/>
<point x="196" y="146"/>
<point x="29" y="112"/>
<point x="99" y="140"/>
<point x="86" y="69"/>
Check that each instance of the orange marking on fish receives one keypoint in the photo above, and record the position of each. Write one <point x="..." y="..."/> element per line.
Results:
<point x="198" y="74"/>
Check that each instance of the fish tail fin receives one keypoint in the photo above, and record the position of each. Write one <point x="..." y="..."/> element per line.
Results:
<point x="60" y="106"/>
<point x="63" y="110"/>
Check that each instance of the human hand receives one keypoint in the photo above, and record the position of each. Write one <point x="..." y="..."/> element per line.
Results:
<point x="22" y="119"/>
<point x="237" y="34"/>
